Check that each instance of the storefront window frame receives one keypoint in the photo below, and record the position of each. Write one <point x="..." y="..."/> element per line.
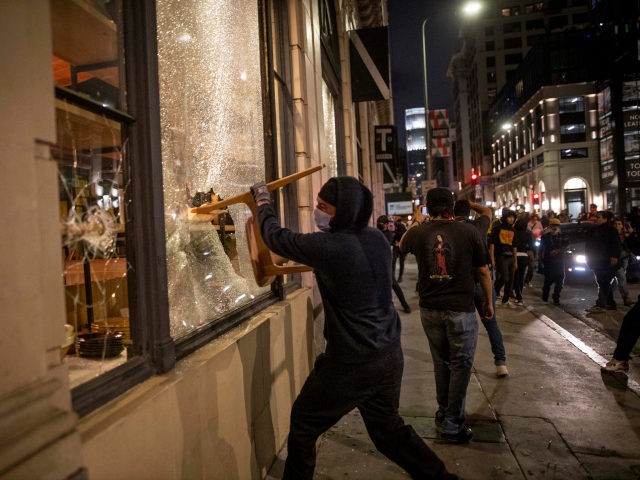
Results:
<point x="155" y="351"/>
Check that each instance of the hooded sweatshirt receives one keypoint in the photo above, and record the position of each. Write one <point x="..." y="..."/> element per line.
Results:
<point x="352" y="264"/>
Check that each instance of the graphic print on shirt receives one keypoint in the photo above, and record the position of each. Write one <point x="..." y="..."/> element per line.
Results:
<point x="506" y="236"/>
<point x="442" y="256"/>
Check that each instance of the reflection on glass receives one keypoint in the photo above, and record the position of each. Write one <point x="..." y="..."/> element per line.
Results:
<point x="85" y="48"/>
<point x="212" y="147"/>
<point x="329" y="114"/>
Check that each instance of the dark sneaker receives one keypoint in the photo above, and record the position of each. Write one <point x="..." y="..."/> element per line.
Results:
<point x="614" y="365"/>
<point x="596" y="309"/>
<point x="628" y="302"/>
<point x="463" y="436"/>
<point x="406" y="308"/>
<point x="556" y="301"/>
<point x="438" y="421"/>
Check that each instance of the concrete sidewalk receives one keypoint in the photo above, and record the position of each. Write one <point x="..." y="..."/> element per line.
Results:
<point x="555" y="417"/>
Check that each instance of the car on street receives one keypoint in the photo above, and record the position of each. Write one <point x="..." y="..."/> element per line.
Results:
<point x="576" y="268"/>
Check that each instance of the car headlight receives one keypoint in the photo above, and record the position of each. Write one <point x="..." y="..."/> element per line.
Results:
<point x="580" y="259"/>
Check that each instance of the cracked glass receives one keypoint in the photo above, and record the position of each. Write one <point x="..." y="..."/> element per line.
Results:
<point x="212" y="149"/>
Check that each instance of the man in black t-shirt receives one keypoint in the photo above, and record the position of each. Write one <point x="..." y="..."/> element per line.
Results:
<point x="451" y="257"/>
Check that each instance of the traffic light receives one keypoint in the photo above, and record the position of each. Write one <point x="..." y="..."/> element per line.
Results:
<point x="535" y="197"/>
<point x="474" y="178"/>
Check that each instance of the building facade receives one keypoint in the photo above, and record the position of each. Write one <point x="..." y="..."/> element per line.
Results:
<point x="138" y="341"/>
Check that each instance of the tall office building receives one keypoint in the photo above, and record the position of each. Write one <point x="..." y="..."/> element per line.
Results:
<point x="416" y="134"/>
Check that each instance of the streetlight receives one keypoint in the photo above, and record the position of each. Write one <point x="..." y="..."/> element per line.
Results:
<point x="470" y="8"/>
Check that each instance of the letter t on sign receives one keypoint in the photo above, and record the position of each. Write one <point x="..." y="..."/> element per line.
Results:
<point x="385" y="143"/>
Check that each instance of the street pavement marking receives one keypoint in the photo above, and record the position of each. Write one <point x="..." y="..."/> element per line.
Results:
<point x="586" y="349"/>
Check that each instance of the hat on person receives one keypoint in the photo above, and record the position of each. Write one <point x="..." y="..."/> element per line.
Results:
<point x="439" y="197"/>
<point x="554" y="221"/>
<point x="329" y="192"/>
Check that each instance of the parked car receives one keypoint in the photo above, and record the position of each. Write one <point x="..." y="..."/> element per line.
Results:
<point x="576" y="268"/>
<point x="575" y="260"/>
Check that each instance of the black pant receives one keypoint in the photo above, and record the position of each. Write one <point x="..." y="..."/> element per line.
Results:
<point x="604" y="277"/>
<point x="333" y="390"/>
<point x="397" y="256"/>
<point x="552" y="277"/>
<point x="629" y="333"/>
<point x="518" y="283"/>
<point x="397" y="289"/>
<point x="505" y="271"/>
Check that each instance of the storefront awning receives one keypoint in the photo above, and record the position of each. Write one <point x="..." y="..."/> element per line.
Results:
<point x="369" y="54"/>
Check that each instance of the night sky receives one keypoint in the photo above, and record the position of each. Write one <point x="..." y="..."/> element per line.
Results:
<point x="405" y="37"/>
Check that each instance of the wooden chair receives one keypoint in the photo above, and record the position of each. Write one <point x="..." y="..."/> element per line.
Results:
<point x="266" y="264"/>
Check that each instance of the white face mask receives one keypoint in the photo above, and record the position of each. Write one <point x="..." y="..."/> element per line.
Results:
<point x="322" y="220"/>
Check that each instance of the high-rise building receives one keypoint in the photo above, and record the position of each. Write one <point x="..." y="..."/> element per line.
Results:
<point x="416" y="134"/>
<point x="493" y="47"/>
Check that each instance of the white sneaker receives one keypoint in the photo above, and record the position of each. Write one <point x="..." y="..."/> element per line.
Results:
<point x="501" y="371"/>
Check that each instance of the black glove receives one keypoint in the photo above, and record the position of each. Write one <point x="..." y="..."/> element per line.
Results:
<point x="261" y="193"/>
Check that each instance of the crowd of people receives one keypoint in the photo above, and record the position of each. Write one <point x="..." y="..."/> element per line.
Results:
<point x="464" y="265"/>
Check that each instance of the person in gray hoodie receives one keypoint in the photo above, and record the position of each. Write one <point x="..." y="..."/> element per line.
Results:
<point x="363" y="362"/>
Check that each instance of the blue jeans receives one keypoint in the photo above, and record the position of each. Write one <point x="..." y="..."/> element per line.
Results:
<point x="491" y="326"/>
<point x="452" y="340"/>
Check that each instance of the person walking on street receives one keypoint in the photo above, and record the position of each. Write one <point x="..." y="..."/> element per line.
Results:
<point x="451" y="257"/>
<point x="603" y="249"/>
<point x="387" y="226"/>
<point x="363" y="362"/>
<point x="535" y="227"/>
<point x="627" y="338"/>
<point x="552" y="248"/>
<point x="503" y="254"/>
<point x="524" y="244"/>
<point x="624" y="231"/>
<point x="462" y="209"/>
<point x="398" y="257"/>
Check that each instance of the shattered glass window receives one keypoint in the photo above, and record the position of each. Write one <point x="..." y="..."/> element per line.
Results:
<point x="329" y="113"/>
<point x="90" y="153"/>
<point x="212" y="149"/>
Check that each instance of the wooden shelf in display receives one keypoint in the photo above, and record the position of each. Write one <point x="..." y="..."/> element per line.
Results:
<point x="101" y="270"/>
<point x="81" y="34"/>
<point x="90" y="131"/>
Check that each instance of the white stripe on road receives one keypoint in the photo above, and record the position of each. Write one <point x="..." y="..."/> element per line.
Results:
<point x="586" y="349"/>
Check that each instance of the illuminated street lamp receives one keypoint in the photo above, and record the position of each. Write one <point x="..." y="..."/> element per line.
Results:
<point x="469" y="9"/>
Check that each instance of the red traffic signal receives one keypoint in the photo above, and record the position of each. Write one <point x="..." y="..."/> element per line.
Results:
<point x="474" y="178"/>
<point x="536" y="198"/>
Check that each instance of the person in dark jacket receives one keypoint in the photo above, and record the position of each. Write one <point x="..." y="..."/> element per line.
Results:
<point x="363" y="361"/>
<point x="552" y="248"/>
<point x="603" y="250"/>
<point x="388" y="226"/>
<point x="524" y="243"/>
<point x="503" y="254"/>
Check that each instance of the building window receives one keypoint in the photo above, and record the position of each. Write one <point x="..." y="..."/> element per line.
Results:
<point x="513" y="27"/>
<point x="91" y="127"/>
<point x="491" y="77"/>
<point x="490" y="62"/>
<point x="490" y="45"/>
<point x="580" y="18"/>
<point x="572" y="133"/>
<point x="534" y="7"/>
<point x="532" y="40"/>
<point x="535" y="24"/>
<point x="571" y="104"/>
<point x="510" y="12"/>
<point x="491" y="92"/>
<point x="558" y="22"/>
<point x="513" y="59"/>
<point x="515" y="42"/>
<point x="212" y="148"/>
<point x="570" y="153"/>
<point x="488" y="31"/>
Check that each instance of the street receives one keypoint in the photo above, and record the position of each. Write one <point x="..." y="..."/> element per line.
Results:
<point x="555" y="417"/>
